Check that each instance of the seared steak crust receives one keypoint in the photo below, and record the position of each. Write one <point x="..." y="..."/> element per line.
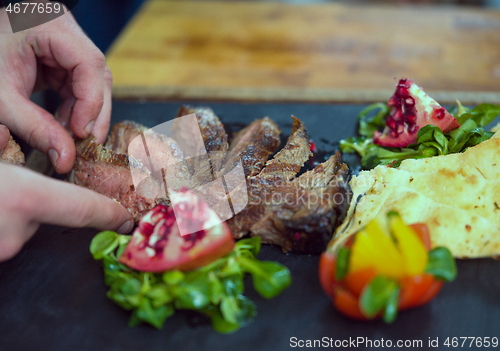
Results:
<point x="252" y="146"/>
<point x="322" y="174"/>
<point x="289" y="160"/>
<point x="122" y="134"/>
<point x="214" y="141"/>
<point x="212" y="130"/>
<point x="12" y="153"/>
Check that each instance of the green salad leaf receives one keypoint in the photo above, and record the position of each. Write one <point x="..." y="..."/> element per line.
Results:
<point x="215" y="290"/>
<point x="342" y="263"/>
<point x="431" y="141"/>
<point x="441" y="264"/>
<point x="380" y="295"/>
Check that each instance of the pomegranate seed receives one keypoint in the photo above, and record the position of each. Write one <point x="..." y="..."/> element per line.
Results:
<point x="403" y="92"/>
<point x="157" y="217"/>
<point x="146" y="228"/>
<point x="313" y="147"/>
<point x="410" y="101"/>
<point x="160" y="244"/>
<point x="411" y="118"/>
<point x="412" y="128"/>
<point x="187" y="245"/>
<point x="397" y="116"/>
<point x="439" y="113"/>
<point x="169" y="221"/>
<point x="163" y="231"/>
<point x="391" y="123"/>
<point x="401" y="128"/>
<point x="394" y="133"/>
<point x="159" y="208"/>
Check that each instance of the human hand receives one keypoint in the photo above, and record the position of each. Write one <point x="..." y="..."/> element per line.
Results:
<point x="4" y="136"/>
<point x="58" y="55"/>
<point x="29" y="199"/>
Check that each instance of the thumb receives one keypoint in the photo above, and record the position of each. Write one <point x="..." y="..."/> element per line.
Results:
<point x="4" y="137"/>
<point x="40" y="130"/>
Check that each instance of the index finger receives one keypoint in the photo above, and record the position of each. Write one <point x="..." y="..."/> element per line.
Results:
<point x="68" y="47"/>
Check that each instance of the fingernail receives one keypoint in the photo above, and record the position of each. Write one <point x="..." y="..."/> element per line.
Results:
<point x="89" y="127"/>
<point x="54" y="156"/>
<point x="126" y="227"/>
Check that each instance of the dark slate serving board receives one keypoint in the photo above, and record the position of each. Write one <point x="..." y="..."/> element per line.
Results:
<point x="53" y="296"/>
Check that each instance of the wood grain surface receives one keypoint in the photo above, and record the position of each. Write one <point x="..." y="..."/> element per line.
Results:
<point x="326" y="52"/>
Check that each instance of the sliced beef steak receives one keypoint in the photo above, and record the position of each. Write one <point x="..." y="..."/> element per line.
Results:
<point x="289" y="160"/>
<point x="213" y="146"/>
<point x="272" y="179"/>
<point x="304" y="217"/>
<point x="154" y="160"/>
<point x="153" y="150"/>
<point x="322" y="174"/>
<point x="252" y="146"/>
<point x="297" y="214"/>
<point x="109" y="173"/>
<point x="12" y="153"/>
<point x="212" y="130"/>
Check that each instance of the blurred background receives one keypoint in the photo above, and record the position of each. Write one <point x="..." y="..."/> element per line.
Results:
<point x="103" y="20"/>
<point x="295" y="50"/>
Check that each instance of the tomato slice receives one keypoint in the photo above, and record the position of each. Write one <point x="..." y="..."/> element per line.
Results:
<point x="431" y="292"/>
<point x="356" y="281"/>
<point x="327" y="269"/>
<point x="418" y="290"/>
<point x="157" y="244"/>
<point x="423" y="233"/>
<point x="347" y="304"/>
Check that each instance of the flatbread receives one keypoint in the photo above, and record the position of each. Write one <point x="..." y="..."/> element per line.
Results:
<point x="457" y="196"/>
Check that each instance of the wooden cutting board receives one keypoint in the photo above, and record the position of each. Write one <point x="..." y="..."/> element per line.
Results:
<point x="325" y="52"/>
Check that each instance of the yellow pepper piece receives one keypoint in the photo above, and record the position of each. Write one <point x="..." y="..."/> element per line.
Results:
<point x="411" y="247"/>
<point x="372" y="247"/>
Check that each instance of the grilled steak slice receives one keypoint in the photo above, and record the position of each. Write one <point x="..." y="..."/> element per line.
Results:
<point x="306" y="216"/>
<point x="122" y="134"/>
<point x="253" y="145"/>
<point x="155" y="160"/>
<point x="212" y="150"/>
<point x="271" y="179"/>
<point x="109" y="173"/>
<point x="289" y="160"/>
<point x="162" y="152"/>
<point x="297" y="215"/>
<point x="323" y="174"/>
<point x="12" y="153"/>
